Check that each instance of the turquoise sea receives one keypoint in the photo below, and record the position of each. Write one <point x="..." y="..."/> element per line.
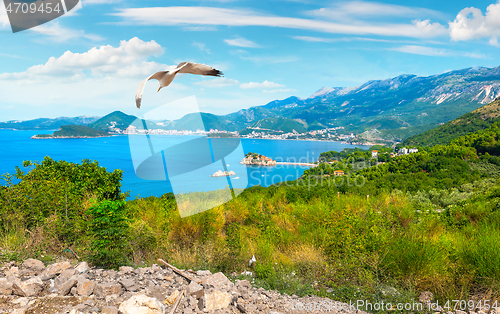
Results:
<point x="114" y="153"/>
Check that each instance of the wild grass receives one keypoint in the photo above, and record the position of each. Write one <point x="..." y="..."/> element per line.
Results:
<point x="305" y="240"/>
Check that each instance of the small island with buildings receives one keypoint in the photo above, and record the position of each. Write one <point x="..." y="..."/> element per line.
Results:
<point x="254" y="159"/>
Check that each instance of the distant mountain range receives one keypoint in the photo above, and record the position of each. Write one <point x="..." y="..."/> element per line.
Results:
<point x="46" y="123"/>
<point x="395" y="108"/>
<point x="400" y="106"/>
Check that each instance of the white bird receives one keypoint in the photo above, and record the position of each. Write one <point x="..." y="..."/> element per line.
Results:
<point x="166" y="77"/>
<point x="252" y="260"/>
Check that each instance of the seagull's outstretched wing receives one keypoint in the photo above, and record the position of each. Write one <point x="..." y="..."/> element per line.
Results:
<point x="140" y="89"/>
<point x="197" y="68"/>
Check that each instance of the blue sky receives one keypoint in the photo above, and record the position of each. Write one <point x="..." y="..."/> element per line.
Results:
<point x="90" y="61"/>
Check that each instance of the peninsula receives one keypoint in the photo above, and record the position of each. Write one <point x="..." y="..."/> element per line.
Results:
<point x="73" y="131"/>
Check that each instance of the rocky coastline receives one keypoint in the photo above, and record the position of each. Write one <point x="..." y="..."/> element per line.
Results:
<point x="36" y="137"/>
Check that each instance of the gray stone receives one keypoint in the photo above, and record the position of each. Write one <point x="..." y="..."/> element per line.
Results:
<point x="28" y="288"/>
<point x="203" y="273"/>
<point x="243" y="283"/>
<point x="216" y="300"/>
<point x="63" y="277"/>
<point x="104" y="289"/>
<point x="141" y="304"/>
<point x="156" y="292"/>
<point x="109" y="310"/>
<point x="128" y="284"/>
<point x="5" y="286"/>
<point x="241" y="308"/>
<point x="82" y="267"/>
<point x="65" y="288"/>
<point x="111" y="298"/>
<point x="32" y="267"/>
<point x="195" y="290"/>
<point x="85" y="288"/>
<point x="53" y="270"/>
<point x="217" y="280"/>
<point x="21" y="310"/>
<point x="125" y="270"/>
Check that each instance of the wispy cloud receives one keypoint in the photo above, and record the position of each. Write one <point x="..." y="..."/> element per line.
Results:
<point x="232" y="17"/>
<point x="265" y="84"/>
<point x="435" y="52"/>
<point x="58" y="33"/>
<point x="200" y="28"/>
<point x="314" y="39"/>
<point x="216" y="83"/>
<point x="241" y="42"/>
<point x="11" y="56"/>
<point x="364" y="9"/>
<point x="347" y="39"/>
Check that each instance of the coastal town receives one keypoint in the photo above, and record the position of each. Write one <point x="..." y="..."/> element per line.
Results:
<point x="329" y="134"/>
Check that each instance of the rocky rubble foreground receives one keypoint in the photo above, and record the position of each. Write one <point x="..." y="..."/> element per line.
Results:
<point x="33" y="288"/>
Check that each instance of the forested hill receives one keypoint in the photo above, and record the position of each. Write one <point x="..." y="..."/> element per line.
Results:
<point x="476" y="120"/>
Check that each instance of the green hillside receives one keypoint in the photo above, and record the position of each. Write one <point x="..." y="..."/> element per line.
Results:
<point x="191" y="122"/>
<point x="476" y="120"/>
<point x="74" y="131"/>
<point x="118" y="118"/>
<point x="277" y="125"/>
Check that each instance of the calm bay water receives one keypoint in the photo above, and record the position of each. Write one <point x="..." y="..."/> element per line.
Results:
<point x="114" y="153"/>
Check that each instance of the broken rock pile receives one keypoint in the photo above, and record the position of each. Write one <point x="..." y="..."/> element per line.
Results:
<point x="62" y="288"/>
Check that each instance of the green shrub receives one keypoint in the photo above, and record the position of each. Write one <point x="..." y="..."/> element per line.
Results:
<point x="108" y="229"/>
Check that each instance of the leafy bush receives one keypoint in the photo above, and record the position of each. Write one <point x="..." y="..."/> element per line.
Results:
<point x="108" y="229"/>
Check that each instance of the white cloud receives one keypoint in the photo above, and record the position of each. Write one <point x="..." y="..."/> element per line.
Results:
<point x="314" y="39"/>
<point x="368" y="9"/>
<point x="470" y="23"/>
<point x="348" y="39"/>
<point x="58" y="33"/>
<point x="218" y="82"/>
<point x="430" y="29"/>
<point x="231" y="17"/>
<point x="265" y="84"/>
<point x="422" y="50"/>
<point x="127" y="60"/>
<point x="435" y="52"/>
<point x="241" y="42"/>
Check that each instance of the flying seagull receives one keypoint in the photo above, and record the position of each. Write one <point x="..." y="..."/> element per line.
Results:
<point x="166" y="77"/>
